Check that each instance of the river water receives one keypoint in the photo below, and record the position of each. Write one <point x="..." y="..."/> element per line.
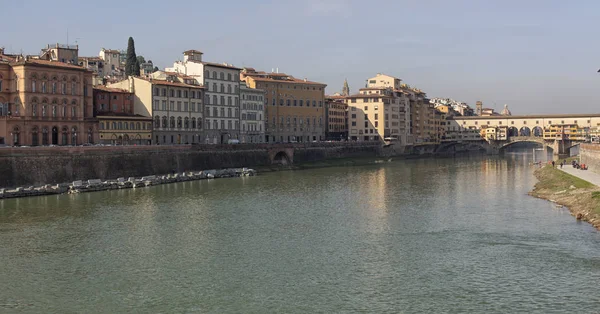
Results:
<point x="409" y="236"/>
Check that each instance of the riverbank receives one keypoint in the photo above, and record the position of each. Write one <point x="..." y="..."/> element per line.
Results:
<point x="581" y="197"/>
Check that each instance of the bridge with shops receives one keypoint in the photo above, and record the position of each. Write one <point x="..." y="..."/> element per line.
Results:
<point x="558" y="132"/>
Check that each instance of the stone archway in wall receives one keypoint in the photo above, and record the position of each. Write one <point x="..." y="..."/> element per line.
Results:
<point x="538" y="131"/>
<point x="512" y="131"/>
<point x="281" y="156"/>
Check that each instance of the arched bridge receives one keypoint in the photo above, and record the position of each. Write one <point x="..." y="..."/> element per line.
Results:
<point x="558" y="147"/>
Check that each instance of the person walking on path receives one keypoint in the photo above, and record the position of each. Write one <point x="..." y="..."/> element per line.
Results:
<point x="561" y="164"/>
<point x="553" y="164"/>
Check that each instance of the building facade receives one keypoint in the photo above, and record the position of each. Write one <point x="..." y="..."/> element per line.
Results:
<point x="117" y="123"/>
<point x="252" y="114"/>
<point x="222" y="95"/>
<point x="403" y="96"/>
<point x="112" y="62"/>
<point x="61" y="53"/>
<point x="294" y="108"/>
<point x="377" y="114"/>
<point x="45" y="102"/>
<point x="336" y="118"/>
<point x="174" y="103"/>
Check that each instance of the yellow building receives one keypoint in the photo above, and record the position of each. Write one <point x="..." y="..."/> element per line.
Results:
<point x="376" y="114"/>
<point x="294" y="108"/>
<point x="125" y="129"/>
<point x="565" y="131"/>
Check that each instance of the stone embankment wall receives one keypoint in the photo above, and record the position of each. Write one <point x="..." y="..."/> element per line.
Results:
<point x="590" y="156"/>
<point x="51" y="165"/>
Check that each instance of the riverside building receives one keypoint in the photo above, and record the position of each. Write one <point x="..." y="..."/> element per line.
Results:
<point x="253" y="114"/>
<point x="44" y="101"/>
<point x="117" y="124"/>
<point x="222" y="98"/>
<point x="294" y="108"/>
<point x="173" y="101"/>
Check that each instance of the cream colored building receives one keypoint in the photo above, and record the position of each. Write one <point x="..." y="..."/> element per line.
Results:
<point x="175" y="103"/>
<point x="253" y="114"/>
<point x="375" y="114"/>
<point x="112" y="62"/>
<point x="222" y="99"/>
<point x="403" y="97"/>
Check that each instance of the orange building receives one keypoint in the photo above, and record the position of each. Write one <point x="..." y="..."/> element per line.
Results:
<point x="294" y="108"/>
<point x="44" y="102"/>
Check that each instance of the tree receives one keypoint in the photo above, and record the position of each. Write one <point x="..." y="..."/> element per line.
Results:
<point x="132" y="65"/>
<point x="141" y="59"/>
<point x="156" y="69"/>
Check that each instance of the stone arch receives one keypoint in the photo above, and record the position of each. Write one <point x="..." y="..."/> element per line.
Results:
<point x="532" y="140"/>
<point x="512" y="131"/>
<point x="452" y="146"/>
<point x="524" y="131"/>
<point x="281" y="158"/>
<point x="538" y="131"/>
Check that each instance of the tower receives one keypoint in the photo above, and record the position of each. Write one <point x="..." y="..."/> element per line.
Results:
<point x="479" y="107"/>
<point x="346" y="89"/>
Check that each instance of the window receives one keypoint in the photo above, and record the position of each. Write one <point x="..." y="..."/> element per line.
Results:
<point x="172" y="105"/>
<point x="222" y="76"/>
<point x="156" y="91"/>
<point x="229" y="88"/>
<point x="222" y="87"/>
<point x="172" y="93"/>
<point x="229" y="76"/>
<point x="178" y="93"/>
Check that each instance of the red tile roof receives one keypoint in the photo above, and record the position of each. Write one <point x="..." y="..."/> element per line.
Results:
<point x="168" y="83"/>
<point x="110" y="89"/>
<point x="51" y="64"/>
<point x="220" y="65"/>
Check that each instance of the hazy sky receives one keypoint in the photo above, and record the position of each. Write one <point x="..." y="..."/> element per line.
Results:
<point x="537" y="56"/>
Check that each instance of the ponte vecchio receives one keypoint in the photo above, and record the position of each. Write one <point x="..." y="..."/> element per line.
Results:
<point x="557" y="131"/>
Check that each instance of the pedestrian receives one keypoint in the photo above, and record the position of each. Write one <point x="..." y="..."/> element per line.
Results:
<point x="561" y="164"/>
<point x="553" y="164"/>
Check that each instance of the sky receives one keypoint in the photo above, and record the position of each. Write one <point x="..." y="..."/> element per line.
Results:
<point x="537" y="56"/>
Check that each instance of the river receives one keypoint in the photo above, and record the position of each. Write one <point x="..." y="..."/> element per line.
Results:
<point x="407" y="236"/>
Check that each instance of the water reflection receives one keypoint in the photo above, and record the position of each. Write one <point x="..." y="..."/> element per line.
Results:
<point x="459" y="234"/>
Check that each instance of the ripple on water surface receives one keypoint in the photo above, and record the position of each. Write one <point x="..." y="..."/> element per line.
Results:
<point x="418" y="236"/>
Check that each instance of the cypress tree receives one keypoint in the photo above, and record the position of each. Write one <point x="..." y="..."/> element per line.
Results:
<point x="132" y="65"/>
